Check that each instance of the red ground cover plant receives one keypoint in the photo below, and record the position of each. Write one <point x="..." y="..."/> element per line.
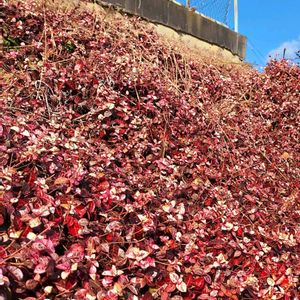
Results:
<point x="128" y="171"/>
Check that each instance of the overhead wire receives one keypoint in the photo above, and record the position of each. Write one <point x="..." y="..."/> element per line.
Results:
<point x="257" y="52"/>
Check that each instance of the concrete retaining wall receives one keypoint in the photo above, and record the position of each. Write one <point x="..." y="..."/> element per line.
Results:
<point x="182" y="19"/>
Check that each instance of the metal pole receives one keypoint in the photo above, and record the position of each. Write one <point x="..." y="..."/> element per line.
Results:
<point x="236" y="16"/>
<point x="188" y="3"/>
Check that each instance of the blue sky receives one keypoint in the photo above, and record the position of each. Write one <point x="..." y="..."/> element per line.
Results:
<point x="269" y="25"/>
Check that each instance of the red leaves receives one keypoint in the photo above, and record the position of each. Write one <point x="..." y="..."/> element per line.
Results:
<point x="2" y="219"/>
<point x="118" y="181"/>
<point x="109" y="237"/>
<point x="72" y="225"/>
<point x="147" y="296"/>
<point x="102" y="186"/>
<point x="76" y="252"/>
<point x="3" y="253"/>
<point x="239" y="232"/>
<point x="32" y="178"/>
<point x="198" y="283"/>
<point x="42" y="266"/>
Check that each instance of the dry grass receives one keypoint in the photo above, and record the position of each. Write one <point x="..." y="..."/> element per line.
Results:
<point x="176" y="70"/>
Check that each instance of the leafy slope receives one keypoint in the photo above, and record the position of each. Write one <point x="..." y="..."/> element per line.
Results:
<point x="129" y="170"/>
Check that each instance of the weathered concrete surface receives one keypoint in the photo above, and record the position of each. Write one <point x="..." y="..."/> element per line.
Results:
<point x="205" y="51"/>
<point x="181" y="19"/>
